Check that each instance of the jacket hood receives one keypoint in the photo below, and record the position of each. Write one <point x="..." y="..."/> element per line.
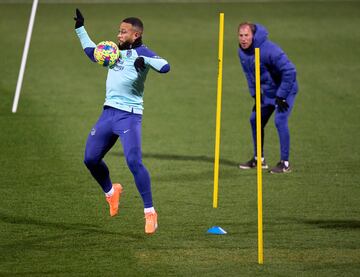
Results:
<point x="261" y="35"/>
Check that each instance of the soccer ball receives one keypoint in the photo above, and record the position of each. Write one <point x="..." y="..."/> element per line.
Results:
<point x="106" y="53"/>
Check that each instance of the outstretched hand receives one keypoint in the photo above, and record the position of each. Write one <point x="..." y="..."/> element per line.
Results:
<point x="79" y="19"/>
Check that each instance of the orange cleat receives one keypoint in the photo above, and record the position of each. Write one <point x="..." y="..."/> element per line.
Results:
<point x="151" y="223"/>
<point x="114" y="199"/>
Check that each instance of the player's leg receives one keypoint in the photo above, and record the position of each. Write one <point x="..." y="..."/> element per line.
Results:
<point x="99" y="142"/>
<point x="130" y="136"/>
<point x="266" y="112"/>
<point x="281" y="123"/>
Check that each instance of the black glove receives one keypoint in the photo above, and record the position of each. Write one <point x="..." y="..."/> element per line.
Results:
<point x="139" y="64"/>
<point x="281" y="104"/>
<point x="79" y="19"/>
<point x="261" y="101"/>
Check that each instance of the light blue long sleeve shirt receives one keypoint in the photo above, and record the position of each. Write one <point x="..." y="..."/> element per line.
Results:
<point x="124" y="85"/>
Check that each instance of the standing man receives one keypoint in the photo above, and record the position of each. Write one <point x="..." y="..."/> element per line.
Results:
<point x="279" y="88"/>
<point x="122" y="113"/>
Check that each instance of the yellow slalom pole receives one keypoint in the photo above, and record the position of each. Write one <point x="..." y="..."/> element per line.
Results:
<point x="218" y="111"/>
<point x="259" y="156"/>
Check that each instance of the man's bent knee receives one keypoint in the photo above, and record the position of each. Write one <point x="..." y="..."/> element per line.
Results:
<point x="134" y="160"/>
<point x="91" y="161"/>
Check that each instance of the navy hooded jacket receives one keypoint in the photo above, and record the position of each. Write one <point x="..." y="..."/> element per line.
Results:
<point x="277" y="73"/>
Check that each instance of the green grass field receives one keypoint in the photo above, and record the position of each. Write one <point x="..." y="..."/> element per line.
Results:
<point x="53" y="217"/>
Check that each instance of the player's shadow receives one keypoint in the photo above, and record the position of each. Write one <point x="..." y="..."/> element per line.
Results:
<point x="60" y="230"/>
<point x="21" y="220"/>
<point x="188" y="158"/>
<point x="345" y="224"/>
<point x="334" y="224"/>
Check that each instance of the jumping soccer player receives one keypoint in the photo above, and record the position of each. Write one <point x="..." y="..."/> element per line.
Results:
<point x="122" y="114"/>
<point x="279" y="89"/>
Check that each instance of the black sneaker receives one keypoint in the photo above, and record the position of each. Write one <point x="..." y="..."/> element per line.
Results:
<point x="253" y="164"/>
<point x="281" y="168"/>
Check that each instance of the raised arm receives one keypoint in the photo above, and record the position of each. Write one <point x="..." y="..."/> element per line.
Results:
<point x="87" y="44"/>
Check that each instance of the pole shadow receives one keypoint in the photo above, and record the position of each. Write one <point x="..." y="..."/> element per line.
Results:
<point x="175" y="157"/>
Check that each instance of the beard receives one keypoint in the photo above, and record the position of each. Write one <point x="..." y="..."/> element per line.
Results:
<point x="128" y="45"/>
<point x="124" y="46"/>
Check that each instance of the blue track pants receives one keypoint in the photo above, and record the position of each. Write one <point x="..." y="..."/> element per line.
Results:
<point x="112" y="124"/>
<point x="281" y="123"/>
